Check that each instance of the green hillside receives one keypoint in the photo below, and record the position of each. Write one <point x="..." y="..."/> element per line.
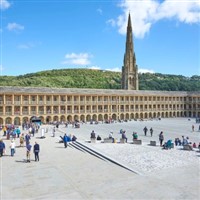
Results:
<point x="99" y="79"/>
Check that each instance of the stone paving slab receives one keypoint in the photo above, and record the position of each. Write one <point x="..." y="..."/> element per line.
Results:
<point x="72" y="174"/>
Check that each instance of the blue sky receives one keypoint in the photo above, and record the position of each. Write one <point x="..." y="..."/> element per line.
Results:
<point x="39" y="35"/>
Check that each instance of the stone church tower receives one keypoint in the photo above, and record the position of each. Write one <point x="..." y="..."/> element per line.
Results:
<point x="129" y="70"/>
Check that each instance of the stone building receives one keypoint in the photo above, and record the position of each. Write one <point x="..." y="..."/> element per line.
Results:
<point x="130" y="69"/>
<point x="19" y="104"/>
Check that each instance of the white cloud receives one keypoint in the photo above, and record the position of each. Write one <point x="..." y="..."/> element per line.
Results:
<point x="146" y="12"/>
<point x="15" y="27"/>
<point x="116" y="69"/>
<point x="77" y="59"/>
<point x="100" y="11"/>
<point x="112" y="22"/>
<point x="26" y="46"/>
<point x="4" y="4"/>
<point x="94" y="67"/>
<point x="145" y="71"/>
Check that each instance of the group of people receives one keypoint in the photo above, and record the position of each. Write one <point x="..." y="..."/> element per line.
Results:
<point x="22" y="139"/>
<point x="68" y="138"/>
<point x="146" y="131"/>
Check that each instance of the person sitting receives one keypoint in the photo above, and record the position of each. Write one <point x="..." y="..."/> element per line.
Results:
<point x="176" y="141"/>
<point x="74" y="138"/>
<point x="135" y="136"/>
<point x="124" y="135"/>
<point x="194" y="145"/>
<point x="93" y="135"/>
<point x="111" y="136"/>
<point x="98" y="137"/>
<point x="168" y="145"/>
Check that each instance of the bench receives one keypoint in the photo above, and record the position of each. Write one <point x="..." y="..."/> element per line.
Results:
<point x="152" y="143"/>
<point x="137" y="141"/>
<point x="122" y="140"/>
<point x="93" y="140"/>
<point x="187" y="147"/>
<point x="108" y="140"/>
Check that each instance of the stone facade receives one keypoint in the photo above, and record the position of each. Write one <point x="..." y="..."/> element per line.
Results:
<point x="130" y="69"/>
<point x="19" y="104"/>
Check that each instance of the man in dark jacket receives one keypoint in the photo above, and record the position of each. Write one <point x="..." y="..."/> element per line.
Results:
<point x="36" y="150"/>
<point x="65" y="139"/>
<point x="2" y="147"/>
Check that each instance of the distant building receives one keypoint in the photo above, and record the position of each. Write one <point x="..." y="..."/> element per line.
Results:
<point x="20" y="104"/>
<point x="130" y="69"/>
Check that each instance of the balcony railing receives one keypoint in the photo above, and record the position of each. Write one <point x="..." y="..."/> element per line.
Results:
<point x="8" y="102"/>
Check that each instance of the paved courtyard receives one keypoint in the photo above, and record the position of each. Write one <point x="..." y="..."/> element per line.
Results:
<point x="73" y="174"/>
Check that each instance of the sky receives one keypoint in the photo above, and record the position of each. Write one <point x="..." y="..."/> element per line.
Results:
<point x="38" y="35"/>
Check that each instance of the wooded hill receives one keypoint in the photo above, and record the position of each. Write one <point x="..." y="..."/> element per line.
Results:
<point x="99" y="79"/>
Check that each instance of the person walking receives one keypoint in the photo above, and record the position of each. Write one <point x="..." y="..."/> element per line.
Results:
<point x="27" y="139"/>
<point x="192" y="128"/>
<point x="54" y="131"/>
<point x="12" y="147"/>
<point x="145" y="130"/>
<point x="65" y="140"/>
<point x="161" y="138"/>
<point x="28" y="152"/>
<point x="151" y="131"/>
<point x="2" y="147"/>
<point x="36" y="150"/>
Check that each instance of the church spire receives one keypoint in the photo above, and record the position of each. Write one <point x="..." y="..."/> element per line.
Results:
<point x="129" y="70"/>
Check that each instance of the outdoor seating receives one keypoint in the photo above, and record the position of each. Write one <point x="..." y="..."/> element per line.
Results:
<point x="137" y="141"/>
<point x="108" y="140"/>
<point x="93" y="140"/>
<point x="152" y="143"/>
<point x="122" y="140"/>
<point x="187" y="147"/>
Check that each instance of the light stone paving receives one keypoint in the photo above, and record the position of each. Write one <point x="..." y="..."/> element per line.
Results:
<point x="72" y="174"/>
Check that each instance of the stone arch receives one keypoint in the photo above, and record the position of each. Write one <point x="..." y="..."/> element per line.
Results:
<point x="94" y="117"/>
<point x="136" y="115"/>
<point x="141" y="115"/>
<point x="1" y="121"/>
<point x="48" y="119"/>
<point x="154" y="115"/>
<point x="132" y="116"/>
<point x="114" y="116"/>
<point x="100" y="117"/>
<point x="82" y="118"/>
<point x="162" y="114"/>
<point x="76" y="118"/>
<point x="25" y="119"/>
<point x="122" y="116"/>
<point x="8" y="120"/>
<point x="17" y="121"/>
<point x="62" y="118"/>
<point x="146" y="115"/>
<point x="42" y="119"/>
<point x="106" y="117"/>
<point x="127" y="116"/>
<point x="88" y="118"/>
<point x="166" y="114"/>
<point x="150" y="115"/>
<point x="69" y="118"/>
<point x="55" y="118"/>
